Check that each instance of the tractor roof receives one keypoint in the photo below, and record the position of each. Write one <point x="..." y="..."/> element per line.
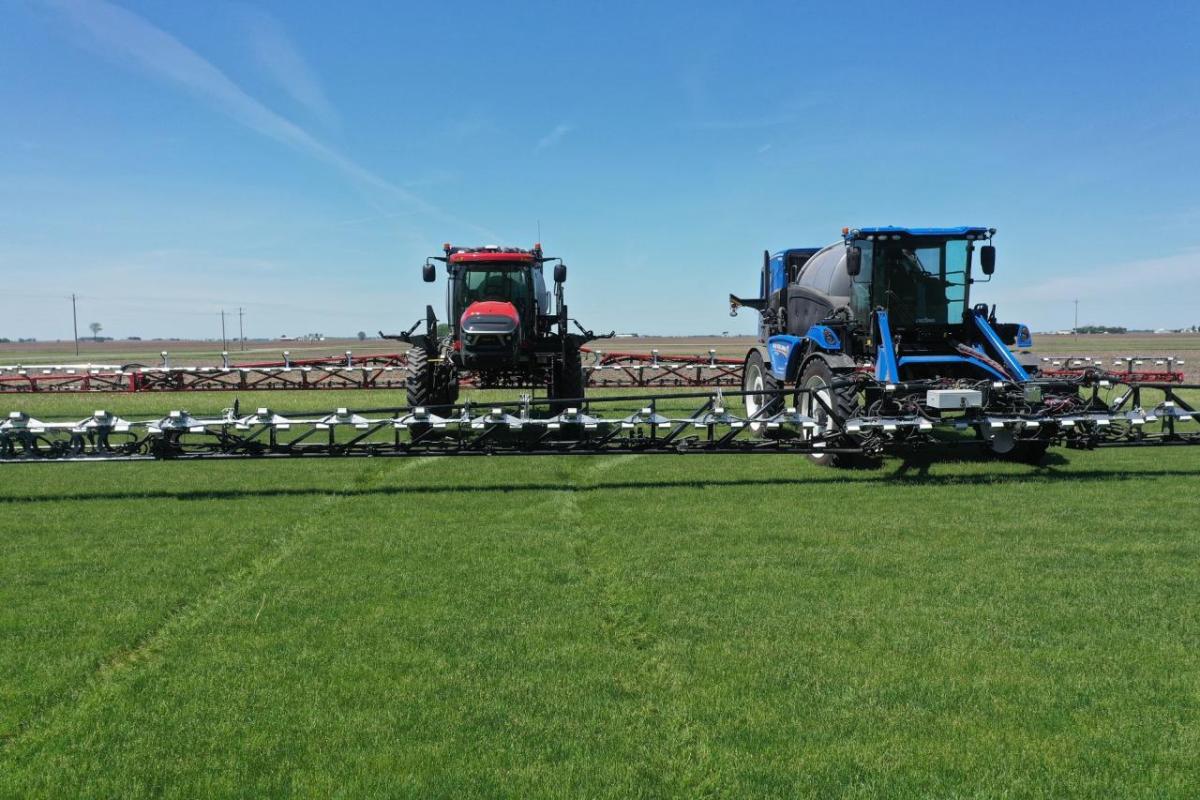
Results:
<point x="461" y="255"/>
<point x="804" y="251"/>
<point x="897" y="232"/>
<point x="891" y="231"/>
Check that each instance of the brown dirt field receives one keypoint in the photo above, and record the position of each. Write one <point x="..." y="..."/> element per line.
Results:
<point x="201" y="353"/>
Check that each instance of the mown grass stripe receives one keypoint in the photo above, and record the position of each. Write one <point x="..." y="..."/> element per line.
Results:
<point x="188" y="616"/>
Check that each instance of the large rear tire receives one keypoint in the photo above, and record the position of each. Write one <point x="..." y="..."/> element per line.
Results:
<point x="1002" y="446"/>
<point x="567" y="383"/>
<point x="757" y="378"/>
<point x="818" y="378"/>
<point x="426" y="384"/>
<point x="418" y="380"/>
<point x="1032" y="453"/>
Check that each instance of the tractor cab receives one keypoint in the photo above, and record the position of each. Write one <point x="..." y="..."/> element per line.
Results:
<point x="495" y="297"/>
<point x="912" y="286"/>
<point x="920" y="276"/>
<point x="497" y="276"/>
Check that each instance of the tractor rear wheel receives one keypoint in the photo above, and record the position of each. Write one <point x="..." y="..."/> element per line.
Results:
<point x="1003" y="446"/>
<point x="425" y="383"/>
<point x="843" y="401"/>
<point x="567" y="380"/>
<point x="1032" y="453"/>
<point x="757" y="378"/>
<point x="418" y="378"/>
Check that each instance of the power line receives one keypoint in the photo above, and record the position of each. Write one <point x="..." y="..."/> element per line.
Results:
<point x="174" y="306"/>
<point x="75" y="323"/>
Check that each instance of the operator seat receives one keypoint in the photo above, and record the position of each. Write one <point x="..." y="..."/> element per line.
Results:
<point x="495" y="287"/>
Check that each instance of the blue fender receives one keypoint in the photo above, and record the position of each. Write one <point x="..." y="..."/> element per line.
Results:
<point x="837" y="362"/>
<point x="825" y="338"/>
<point x="789" y="353"/>
<point x="785" y="353"/>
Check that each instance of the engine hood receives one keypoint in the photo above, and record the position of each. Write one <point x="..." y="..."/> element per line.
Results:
<point x="490" y="316"/>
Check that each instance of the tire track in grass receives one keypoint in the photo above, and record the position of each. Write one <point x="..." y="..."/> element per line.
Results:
<point x="146" y="650"/>
<point x="670" y="747"/>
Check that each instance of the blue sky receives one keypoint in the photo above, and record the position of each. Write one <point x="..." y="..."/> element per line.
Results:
<point x="164" y="160"/>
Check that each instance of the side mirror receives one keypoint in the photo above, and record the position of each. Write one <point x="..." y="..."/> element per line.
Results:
<point x="987" y="259"/>
<point x="853" y="260"/>
<point x="560" y="273"/>
<point x="428" y="273"/>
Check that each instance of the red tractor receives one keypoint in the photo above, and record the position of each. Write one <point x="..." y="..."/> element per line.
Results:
<point x="502" y="329"/>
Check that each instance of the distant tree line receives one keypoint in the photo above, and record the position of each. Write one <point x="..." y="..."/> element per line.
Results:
<point x="1101" y="329"/>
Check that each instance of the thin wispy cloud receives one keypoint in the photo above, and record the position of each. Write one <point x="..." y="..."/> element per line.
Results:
<point x="750" y="124"/>
<point x="1141" y="279"/>
<point x="554" y="136"/>
<point x="281" y="59"/>
<point x="710" y="110"/>
<point x="1127" y="293"/>
<point x="119" y="33"/>
<point x="471" y="127"/>
<point x="371" y="219"/>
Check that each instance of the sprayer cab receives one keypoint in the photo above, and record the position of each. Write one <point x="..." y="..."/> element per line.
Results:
<point x="922" y="276"/>
<point x="883" y="288"/>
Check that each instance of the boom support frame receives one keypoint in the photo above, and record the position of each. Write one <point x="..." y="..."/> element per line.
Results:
<point x="894" y="423"/>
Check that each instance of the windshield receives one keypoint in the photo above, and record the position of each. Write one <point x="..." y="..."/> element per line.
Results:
<point x="918" y="281"/>
<point x="494" y="282"/>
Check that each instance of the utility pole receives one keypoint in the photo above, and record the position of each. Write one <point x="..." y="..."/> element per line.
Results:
<point x="75" y="323"/>
<point x="241" y="333"/>
<point x="1075" y="330"/>
<point x="223" y="345"/>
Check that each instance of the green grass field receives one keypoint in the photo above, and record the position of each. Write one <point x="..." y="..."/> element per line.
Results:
<point x="603" y="626"/>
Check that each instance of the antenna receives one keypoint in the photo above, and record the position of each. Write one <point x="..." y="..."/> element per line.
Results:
<point x="539" y="227"/>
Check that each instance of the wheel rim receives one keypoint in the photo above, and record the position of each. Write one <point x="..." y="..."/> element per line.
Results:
<point x="812" y="408"/>
<point x="754" y="383"/>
